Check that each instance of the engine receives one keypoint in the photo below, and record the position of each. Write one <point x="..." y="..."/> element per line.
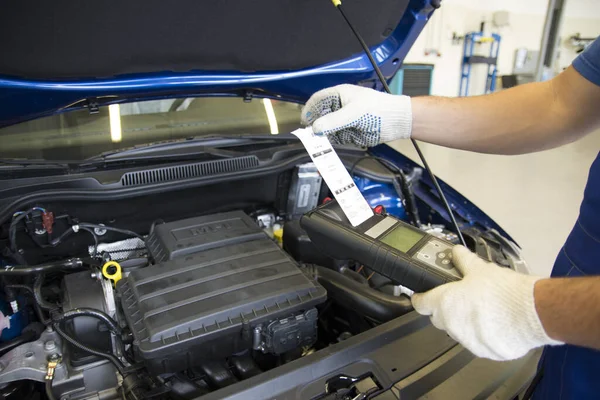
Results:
<point x="220" y="286"/>
<point x="195" y="305"/>
<point x="127" y="308"/>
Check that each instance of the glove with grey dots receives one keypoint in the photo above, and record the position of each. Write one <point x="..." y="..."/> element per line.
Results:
<point x="350" y="114"/>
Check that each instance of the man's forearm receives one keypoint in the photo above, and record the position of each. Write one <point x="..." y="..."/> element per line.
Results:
<point x="523" y="119"/>
<point x="569" y="309"/>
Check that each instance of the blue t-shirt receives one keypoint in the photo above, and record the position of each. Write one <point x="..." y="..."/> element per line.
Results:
<point x="588" y="63"/>
<point x="571" y="372"/>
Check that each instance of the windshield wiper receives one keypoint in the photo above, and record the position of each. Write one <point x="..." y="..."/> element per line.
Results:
<point x="215" y="146"/>
<point x="194" y="148"/>
<point x="23" y="162"/>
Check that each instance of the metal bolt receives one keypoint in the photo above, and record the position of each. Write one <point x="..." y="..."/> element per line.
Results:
<point x="54" y="357"/>
<point x="49" y="329"/>
<point x="50" y="345"/>
<point x="100" y="231"/>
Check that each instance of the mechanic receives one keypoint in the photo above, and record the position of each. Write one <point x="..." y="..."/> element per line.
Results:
<point x="495" y="312"/>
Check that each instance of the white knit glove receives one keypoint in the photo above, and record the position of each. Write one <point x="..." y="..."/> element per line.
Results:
<point x="491" y="311"/>
<point x="354" y="114"/>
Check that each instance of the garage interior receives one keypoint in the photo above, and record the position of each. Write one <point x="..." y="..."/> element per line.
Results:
<point x="528" y="194"/>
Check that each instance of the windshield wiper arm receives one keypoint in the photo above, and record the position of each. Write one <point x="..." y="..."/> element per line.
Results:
<point x="24" y="162"/>
<point x="174" y="148"/>
<point x="214" y="145"/>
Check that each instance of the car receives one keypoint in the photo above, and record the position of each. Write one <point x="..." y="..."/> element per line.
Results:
<point x="150" y="197"/>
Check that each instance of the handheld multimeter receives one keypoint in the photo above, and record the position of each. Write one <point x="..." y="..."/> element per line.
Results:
<point x="395" y="249"/>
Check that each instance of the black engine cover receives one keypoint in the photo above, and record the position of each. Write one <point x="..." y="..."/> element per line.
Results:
<point x="221" y="277"/>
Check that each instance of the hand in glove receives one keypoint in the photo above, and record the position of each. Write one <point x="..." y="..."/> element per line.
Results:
<point x="491" y="311"/>
<point x="353" y="114"/>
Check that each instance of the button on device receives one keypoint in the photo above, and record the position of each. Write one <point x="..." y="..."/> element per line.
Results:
<point x="426" y="256"/>
<point x="445" y="262"/>
<point x="441" y="255"/>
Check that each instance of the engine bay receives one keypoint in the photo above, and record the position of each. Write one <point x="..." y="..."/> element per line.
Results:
<point x="177" y="295"/>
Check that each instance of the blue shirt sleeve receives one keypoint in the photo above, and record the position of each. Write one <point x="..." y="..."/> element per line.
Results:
<point x="588" y="63"/>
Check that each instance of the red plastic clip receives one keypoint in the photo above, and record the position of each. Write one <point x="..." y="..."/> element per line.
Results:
<point x="48" y="221"/>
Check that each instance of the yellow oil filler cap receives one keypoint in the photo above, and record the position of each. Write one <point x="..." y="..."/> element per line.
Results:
<point x="114" y="273"/>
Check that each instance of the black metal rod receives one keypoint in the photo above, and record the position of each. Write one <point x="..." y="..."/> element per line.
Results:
<point x="414" y="142"/>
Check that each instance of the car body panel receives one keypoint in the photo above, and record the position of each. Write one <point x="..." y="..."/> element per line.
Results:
<point x="22" y="99"/>
<point x="407" y="356"/>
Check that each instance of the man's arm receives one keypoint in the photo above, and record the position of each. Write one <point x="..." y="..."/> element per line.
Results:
<point x="523" y="119"/>
<point x="569" y="309"/>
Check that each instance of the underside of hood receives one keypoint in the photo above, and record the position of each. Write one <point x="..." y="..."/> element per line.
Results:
<point x="57" y="55"/>
<point x="101" y="39"/>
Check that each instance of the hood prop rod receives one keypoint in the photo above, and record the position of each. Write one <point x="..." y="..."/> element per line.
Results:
<point x="338" y="5"/>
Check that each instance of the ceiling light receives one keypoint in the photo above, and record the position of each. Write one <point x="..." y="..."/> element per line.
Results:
<point x="114" y="113"/>
<point x="271" y="116"/>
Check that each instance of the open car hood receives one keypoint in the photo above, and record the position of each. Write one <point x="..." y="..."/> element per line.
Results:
<point x="58" y="56"/>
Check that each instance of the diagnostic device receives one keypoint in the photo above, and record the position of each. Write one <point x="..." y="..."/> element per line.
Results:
<point x="393" y="248"/>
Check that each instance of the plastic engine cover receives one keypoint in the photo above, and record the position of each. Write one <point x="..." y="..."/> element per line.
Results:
<point x="222" y="276"/>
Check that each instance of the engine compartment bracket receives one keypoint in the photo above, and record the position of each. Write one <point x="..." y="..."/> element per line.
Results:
<point x="33" y="360"/>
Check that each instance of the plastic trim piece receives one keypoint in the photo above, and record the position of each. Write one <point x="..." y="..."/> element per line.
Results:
<point x="188" y="171"/>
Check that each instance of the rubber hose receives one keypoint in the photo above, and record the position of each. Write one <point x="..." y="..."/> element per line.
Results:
<point x="355" y="276"/>
<point x="19" y="286"/>
<point x="114" y="360"/>
<point x="37" y="293"/>
<point x="361" y="298"/>
<point x="113" y="326"/>
<point x="36" y="269"/>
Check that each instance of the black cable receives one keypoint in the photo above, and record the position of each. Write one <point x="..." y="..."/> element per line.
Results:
<point x="154" y="223"/>
<point x="110" y="228"/>
<point x="73" y="263"/>
<point x="19" y="286"/>
<point x="91" y="231"/>
<point x="110" y="357"/>
<point x="414" y="142"/>
<point x="113" y="326"/>
<point x="37" y="294"/>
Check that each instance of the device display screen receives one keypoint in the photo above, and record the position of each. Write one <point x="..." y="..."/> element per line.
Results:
<point x="402" y="238"/>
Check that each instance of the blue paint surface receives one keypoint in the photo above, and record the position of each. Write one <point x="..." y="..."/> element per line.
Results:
<point x="465" y="210"/>
<point x="22" y="99"/>
<point x="381" y="194"/>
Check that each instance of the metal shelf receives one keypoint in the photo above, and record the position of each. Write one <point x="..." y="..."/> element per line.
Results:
<point x="472" y="39"/>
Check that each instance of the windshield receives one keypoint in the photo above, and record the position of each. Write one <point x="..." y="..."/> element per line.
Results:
<point x="77" y="135"/>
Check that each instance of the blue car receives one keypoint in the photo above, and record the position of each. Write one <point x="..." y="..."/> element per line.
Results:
<point x="150" y="197"/>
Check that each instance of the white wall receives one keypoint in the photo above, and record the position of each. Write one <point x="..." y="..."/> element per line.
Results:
<point x="525" y="30"/>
